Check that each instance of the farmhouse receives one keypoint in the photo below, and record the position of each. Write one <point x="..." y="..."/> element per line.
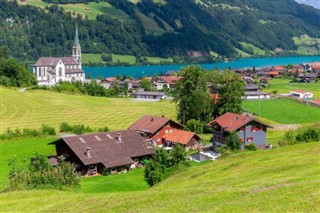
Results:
<point x="164" y="81"/>
<point x="301" y="94"/>
<point x="165" y="132"/>
<point x="253" y="92"/>
<point x="249" y="129"/>
<point x="49" y="71"/>
<point x="109" y="152"/>
<point x="149" y="95"/>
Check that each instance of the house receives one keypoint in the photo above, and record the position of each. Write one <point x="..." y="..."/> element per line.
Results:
<point x="165" y="132"/>
<point x="149" y="95"/>
<point x="164" y="81"/>
<point x="307" y="78"/>
<point x="109" y="152"/>
<point x="49" y="71"/>
<point x="248" y="129"/>
<point x="253" y="92"/>
<point x="301" y="94"/>
<point x="273" y="74"/>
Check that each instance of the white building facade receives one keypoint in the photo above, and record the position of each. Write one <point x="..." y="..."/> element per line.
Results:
<point x="50" y="71"/>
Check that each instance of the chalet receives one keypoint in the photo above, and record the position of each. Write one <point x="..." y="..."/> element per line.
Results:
<point x="307" y="78"/>
<point x="164" y="81"/>
<point x="165" y="132"/>
<point x="301" y="94"/>
<point x="104" y="152"/>
<point x="252" y="92"/>
<point x="273" y="74"/>
<point x="249" y="129"/>
<point x="149" y="95"/>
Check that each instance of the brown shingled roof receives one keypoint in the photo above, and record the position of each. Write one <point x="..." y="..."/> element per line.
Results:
<point x="107" y="149"/>
<point x="44" y="62"/>
<point x="150" y="124"/>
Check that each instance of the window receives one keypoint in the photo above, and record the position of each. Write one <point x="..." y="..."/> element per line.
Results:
<point x="166" y="131"/>
<point x="60" y="71"/>
<point x="158" y="140"/>
<point x="253" y="129"/>
<point x="249" y="139"/>
<point x="242" y="129"/>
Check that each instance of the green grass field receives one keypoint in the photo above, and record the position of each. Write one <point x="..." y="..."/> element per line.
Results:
<point x="91" y="57"/>
<point x="91" y="10"/>
<point x="283" y="111"/>
<point x="279" y="180"/>
<point x="256" y="50"/>
<point x="307" y="45"/>
<point x="283" y="86"/>
<point x="32" y="108"/>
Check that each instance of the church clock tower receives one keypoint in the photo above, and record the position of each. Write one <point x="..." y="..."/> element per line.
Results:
<point x="76" y="49"/>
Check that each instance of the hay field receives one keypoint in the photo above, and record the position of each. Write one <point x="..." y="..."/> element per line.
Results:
<point x="32" y="108"/>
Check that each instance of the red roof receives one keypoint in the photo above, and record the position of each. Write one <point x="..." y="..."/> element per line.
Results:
<point x="150" y="124"/>
<point x="273" y="73"/>
<point x="231" y="121"/>
<point x="169" y="79"/>
<point x="179" y="136"/>
<point x="110" y="79"/>
<point x="299" y="91"/>
<point x="316" y="101"/>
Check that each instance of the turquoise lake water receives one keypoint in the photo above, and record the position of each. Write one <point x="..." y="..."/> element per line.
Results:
<point x="138" y="71"/>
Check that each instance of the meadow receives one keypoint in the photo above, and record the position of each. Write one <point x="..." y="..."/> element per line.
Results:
<point x="278" y="180"/>
<point x="283" y="111"/>
<point x="283" y="86"/>
<point x="33" y="108"/>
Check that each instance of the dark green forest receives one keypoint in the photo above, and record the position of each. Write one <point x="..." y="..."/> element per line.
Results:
<point x="182" y="27"/>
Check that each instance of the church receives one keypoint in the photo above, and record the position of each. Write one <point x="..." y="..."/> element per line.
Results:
<point x="49" y="71"/>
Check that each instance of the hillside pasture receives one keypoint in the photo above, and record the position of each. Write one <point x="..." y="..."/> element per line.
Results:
<point x="278" y="180"/>
<point x="283" y="86"/>
<point x="90" y="10"/>
<point x="32" y="108"/>
<point x="283" y="111"/>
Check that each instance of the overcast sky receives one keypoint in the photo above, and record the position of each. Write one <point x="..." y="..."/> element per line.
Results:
<point x="314" y="3"/>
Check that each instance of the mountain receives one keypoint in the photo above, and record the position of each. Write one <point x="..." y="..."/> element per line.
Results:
<point x="313" y="3"/>
<point x="186" y="30"/>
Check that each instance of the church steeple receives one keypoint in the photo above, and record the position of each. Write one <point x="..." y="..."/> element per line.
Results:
<point x="76" y="49"/>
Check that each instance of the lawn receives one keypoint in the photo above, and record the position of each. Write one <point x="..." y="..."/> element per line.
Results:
<point x="256" y="50"/>
<point x="278" y="180"/>
<point x="130" y="59"/>
<point x="307" y="45"/>
<point x="283" y="111"/>
<point x="283" y="86"/>
<point x="91" y="57"/>
<point x="33" y="108"/>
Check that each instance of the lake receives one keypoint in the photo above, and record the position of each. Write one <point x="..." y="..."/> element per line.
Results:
<point x="138" y="71"/>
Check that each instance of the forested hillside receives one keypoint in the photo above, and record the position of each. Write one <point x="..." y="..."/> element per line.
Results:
<point x="183" y="29"/>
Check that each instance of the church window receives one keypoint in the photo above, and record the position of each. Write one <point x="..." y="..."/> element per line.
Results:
<point x="60" y="71"/>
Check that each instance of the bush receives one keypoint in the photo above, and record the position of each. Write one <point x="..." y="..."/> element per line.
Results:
<point x="48" y="130"/>
<point x="65" y="127"/>
<point x="309" y="135"/>
<point x="78" y="129"/>
<point x="224" y="151"/>
<point x="233" y="141"/>
<point x="251" y="147"/>
<point x="39" y="174"/>
<point x="103" y="129"/>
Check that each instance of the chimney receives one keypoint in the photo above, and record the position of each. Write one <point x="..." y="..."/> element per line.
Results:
<point x="152" y="119"/>
<point x="119" y="138"/>
<point x="88" y="152"/>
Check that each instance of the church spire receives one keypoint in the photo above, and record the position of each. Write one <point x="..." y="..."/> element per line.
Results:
<point x="76" y="36"/>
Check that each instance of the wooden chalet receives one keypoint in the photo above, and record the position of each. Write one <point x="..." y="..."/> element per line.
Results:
<point x="109" y="152"/>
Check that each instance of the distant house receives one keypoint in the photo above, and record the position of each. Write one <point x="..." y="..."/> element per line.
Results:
<point x="249" y="129"/>
<point x="307" y="78"/>
<point x="104" y="152"/>
<point x="253" y="92"/>
<point x="301" y="94"/>
<point x="165" y="132"/>
<point x="164" y="81"/>
<point x="273" y="74"/>
<point x="149" y="95"/>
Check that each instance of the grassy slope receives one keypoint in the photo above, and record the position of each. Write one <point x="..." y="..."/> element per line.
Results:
<point x="283" y="111"/>
<point x="279" y="180"/>
<point x="32" y="108"/>
<point x="283" y="86"/>
<point x="307" y="45"/>
<point x="91" y="9"/>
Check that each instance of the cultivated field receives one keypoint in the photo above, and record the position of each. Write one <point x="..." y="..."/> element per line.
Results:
<point x="283" y="86"/>
<point x="279" y="180"/>
<point x="32" y="108"/>
<point x="283" y="111"/>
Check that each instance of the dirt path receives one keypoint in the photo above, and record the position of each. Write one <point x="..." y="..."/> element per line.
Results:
<point x="286" y="126"/>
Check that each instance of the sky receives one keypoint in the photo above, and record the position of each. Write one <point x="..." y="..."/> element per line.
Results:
<point x="314" y="3"/>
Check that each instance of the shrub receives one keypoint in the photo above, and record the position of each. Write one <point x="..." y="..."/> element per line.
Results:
<point x="39" y="174"/>
<point x="103" y="129"/>
<point x="224" y="151"/>
<point x="78" y="129"/>
<point x="251" y="147"/>
<point x="309" y="135"/>
<point x="233" y="141"/>
<point x="48" y="130"/>
<point x="65" y="127"/>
